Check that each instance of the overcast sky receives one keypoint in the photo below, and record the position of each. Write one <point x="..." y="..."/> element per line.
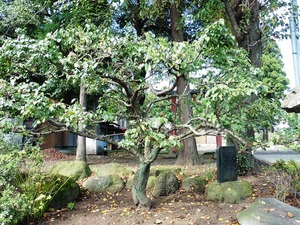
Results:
<point x="286" y="51"/>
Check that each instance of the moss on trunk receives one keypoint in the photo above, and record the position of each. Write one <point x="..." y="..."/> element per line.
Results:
<point x="139" y="186"/>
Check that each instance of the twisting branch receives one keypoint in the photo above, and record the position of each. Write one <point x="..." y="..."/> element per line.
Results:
<point x="206" y="128"/>
<point x="163" y="92"/>
<point x="121" y="83"/>
<point x="237" y="138"/>
<point x="135" y="95"/>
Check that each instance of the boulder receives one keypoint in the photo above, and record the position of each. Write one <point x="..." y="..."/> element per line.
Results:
<point x="110" y="183"/>
<point x="194" y="184"/>
<point x="112" y="169"/>
<point x="74" y="169"/>
<point x="129" y="181"/>
<point x="166" y="184"/>
<point x="229" y="192"/>
<point x="150" y="184"/>
<point x="269" y="211"/>
<point x="156" y="170"/>
<point x="66" y="190"/>
<point x="291" y="103"/>
<point x="117" y="184"/>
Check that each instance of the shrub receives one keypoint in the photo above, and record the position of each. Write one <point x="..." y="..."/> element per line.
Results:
<point x="25" y="193"/>
<point x="243" y="163"/>
<point x="19" y="169"/>
<point x="287" y="181"/>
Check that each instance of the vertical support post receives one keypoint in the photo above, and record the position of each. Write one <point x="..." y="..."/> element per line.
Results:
<point x="219" y="140"/>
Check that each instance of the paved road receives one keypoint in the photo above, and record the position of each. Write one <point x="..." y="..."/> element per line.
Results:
<point x="270" y="155"/>
<point x="277" y="152"/>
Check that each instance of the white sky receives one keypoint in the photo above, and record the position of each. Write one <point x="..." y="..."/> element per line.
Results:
<point x="287" y="57"/>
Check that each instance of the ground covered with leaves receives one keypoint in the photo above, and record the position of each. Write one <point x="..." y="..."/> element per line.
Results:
<point x="181" y="208"/>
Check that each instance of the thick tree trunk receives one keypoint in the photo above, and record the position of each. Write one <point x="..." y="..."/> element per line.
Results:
<point x="139" y="186"/>
<point x="81" y="141"/>
<point x="188" y="155"/>
<point x="254" y="45"/>
<point x="249" y="38"/>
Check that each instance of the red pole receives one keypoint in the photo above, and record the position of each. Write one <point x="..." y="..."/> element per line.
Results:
<point x="219" y="140"/>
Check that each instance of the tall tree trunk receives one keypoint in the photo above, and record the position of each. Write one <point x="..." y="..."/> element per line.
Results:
<point x="188" y="155"/>
<point x="254" y="46"/>
<point x="81" y="141"/>
<point x="139" y="185"/>
<point x="250" y="37"/>
<point x="253" y="42"/>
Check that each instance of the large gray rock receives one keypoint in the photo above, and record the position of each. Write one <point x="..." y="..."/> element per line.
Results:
<point x="112" y="169"/>
<point x="110" y="183"/>
<point x="229" y="192"/>
<point x="166" y="184"/>
<point x="73" y="169"/>
<point x="194" y="184"/>
<point x="269" y="211"/>
<point x="291" y="103"/>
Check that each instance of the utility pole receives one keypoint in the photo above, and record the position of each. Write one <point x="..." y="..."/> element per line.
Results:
<point x="295" y="38"/>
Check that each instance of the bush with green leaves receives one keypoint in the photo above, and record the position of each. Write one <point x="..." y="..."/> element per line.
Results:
<point x="287" y="182"/>
<point x="19" y="166"/>
<point x="243" y="163"/>
<point x="25" y="193"/>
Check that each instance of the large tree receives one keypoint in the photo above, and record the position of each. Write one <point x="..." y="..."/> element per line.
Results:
<point x="113" y="67"/>
<point x="166" y="19"/>
<point x="251" y="22"/>
<point x="122" y="70"/>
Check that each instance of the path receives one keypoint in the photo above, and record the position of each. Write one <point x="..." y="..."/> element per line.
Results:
<point x="270" y="155"/>
<point x="275" y="153"/>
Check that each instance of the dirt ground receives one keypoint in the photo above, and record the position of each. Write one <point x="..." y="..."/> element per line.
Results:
<point x="182" y="208"/>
